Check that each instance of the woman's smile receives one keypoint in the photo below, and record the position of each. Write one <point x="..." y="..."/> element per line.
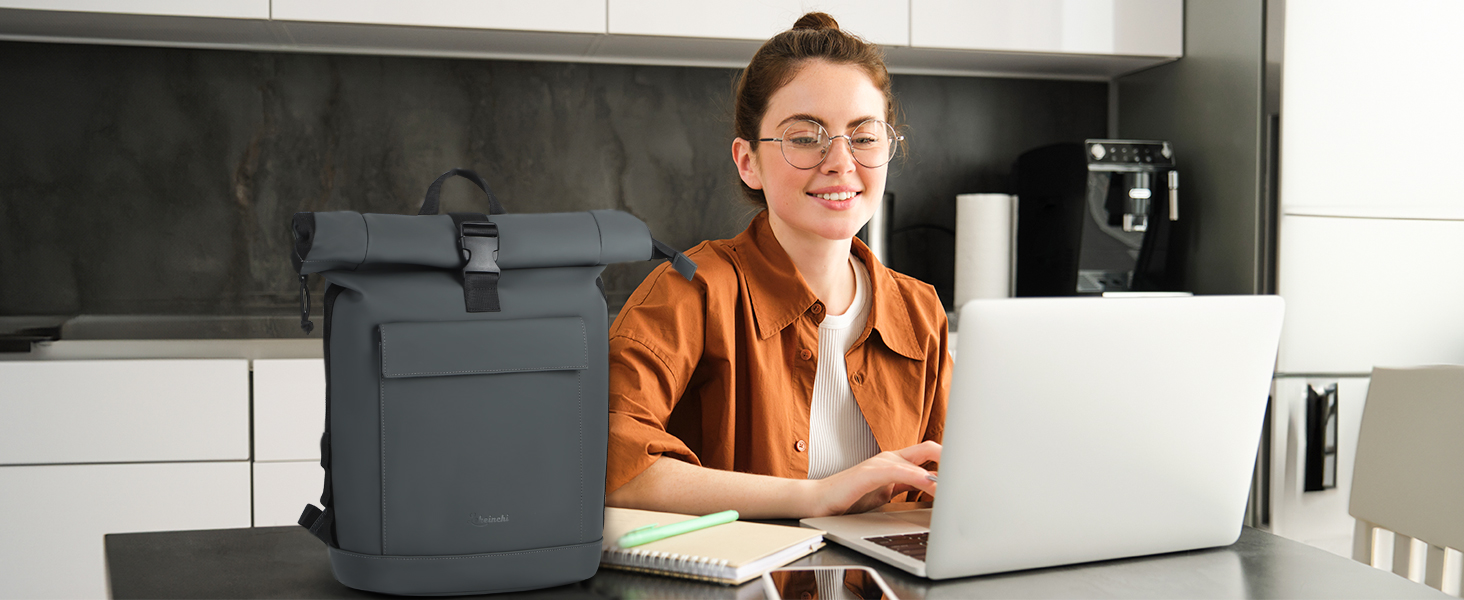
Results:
<point x="836" y="197"/>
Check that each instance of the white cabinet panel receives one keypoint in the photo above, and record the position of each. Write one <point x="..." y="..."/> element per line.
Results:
<point x="89" y="411"/>
<point x="1317" y="518"/>
<point x="879" y="21"/>
<point x="1122" y="27"/>
<point x="52" y="518"/>
<point x="289" y="409"/>
<point x="1371" y="105"/>
<point x="577" y="16"/>
<point x="1367" y="292"/>
<point x="282" y="489"/>
<point x="235" y="9"/>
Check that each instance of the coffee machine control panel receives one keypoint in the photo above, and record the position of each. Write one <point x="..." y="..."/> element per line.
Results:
<point x="1127" y="155"/>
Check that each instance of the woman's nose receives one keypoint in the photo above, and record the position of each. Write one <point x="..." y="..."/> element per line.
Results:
<point x="840" y="157"/>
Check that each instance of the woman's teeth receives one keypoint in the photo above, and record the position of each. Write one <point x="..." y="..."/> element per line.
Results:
<point x="838" y="196"/>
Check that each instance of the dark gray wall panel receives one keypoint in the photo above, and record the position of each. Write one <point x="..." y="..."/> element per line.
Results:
<point x="1209" y="104"/>
<point x="161" y="181"/>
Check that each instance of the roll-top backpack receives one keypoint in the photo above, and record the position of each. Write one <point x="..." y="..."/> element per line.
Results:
<point x="466" y="392"/>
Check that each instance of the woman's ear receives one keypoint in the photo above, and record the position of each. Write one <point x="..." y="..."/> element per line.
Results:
<point x="747" y="167"/>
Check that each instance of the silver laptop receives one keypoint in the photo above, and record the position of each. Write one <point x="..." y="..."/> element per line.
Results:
<point x="1083" y="429"/>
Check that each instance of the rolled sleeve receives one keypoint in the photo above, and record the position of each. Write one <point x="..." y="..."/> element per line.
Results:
<point x="642" y="396"/>
<point x="655" y="344"/>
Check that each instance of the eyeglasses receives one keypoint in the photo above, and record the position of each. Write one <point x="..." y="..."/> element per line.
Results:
<point x="806" y="144"/>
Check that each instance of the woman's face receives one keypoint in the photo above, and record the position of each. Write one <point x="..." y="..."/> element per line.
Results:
<point x="817" y="201"/>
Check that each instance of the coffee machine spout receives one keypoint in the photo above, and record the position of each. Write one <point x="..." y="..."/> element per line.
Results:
<point x="1136" y="205"/>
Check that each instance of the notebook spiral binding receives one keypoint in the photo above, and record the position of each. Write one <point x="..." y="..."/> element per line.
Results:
<point x="664" y="563"/>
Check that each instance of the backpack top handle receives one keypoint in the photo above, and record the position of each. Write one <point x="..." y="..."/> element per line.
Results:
<point x="434" y="191"/>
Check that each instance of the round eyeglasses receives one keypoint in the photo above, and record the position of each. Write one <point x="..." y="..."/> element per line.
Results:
<point x="806" y="144"/>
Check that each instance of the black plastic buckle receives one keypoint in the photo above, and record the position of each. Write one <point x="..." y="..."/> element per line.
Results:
<point x="479" y="243"/>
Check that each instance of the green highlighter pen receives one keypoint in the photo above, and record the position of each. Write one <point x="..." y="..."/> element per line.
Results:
<point x="651" y="533"/>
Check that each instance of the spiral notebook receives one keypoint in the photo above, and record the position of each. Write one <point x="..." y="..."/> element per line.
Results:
<point x="731" y="553"/>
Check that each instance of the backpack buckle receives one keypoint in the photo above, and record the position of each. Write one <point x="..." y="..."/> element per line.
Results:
<point x="478" y="241"/>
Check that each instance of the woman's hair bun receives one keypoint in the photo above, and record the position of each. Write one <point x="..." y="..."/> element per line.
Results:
<point x="816" y="20"/>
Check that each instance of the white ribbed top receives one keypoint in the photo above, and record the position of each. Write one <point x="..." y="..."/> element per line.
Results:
<point x="838" y="436"/>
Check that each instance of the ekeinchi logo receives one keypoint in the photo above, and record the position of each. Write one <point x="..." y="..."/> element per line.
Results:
<point x="482" y="521"/>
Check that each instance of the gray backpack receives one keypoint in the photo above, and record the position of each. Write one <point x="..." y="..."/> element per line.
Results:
<point x="466" y="392"/>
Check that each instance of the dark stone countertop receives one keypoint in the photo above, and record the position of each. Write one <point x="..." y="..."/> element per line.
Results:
<point x="287" y="562"/>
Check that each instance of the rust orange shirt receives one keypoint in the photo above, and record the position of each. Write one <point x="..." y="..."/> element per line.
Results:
<point x="718" y="371"/>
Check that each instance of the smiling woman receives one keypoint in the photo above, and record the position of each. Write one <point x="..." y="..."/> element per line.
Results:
<point x="795" y="376"/>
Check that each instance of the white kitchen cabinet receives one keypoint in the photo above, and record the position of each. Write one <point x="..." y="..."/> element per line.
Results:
<point x="289" y="416"/>
<point x="573" y="16"/>
<point x="880" y="21"/>
<point x="1365" y="292"/>
<point x="105" y="411"/>
<point x="52" y="518"/>
<point x="282" y="489"/>
<point x="289" y="408"/>
<point x="1059" y="39"/>
<point x="1318" y="518"/>
<point x="228" y="9"/>
<point x="1386" y="141"/>
<point x="1117" y="27"/>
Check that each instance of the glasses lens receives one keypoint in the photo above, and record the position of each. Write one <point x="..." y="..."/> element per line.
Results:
<point x="804" y="143"/>
<point x="873" y="143"/>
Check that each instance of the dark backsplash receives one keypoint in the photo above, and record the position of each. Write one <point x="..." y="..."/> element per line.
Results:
<point x="160" y="181"/>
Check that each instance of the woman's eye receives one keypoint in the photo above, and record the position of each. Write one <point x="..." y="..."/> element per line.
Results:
<point x="804" y="140"/>
<point x="866" y="140"/>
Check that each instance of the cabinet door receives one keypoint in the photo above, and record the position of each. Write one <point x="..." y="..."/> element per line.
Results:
<point x="104" y="411"/>
<point x="574" y="16"/>
<point x="282" y="489"/>
<point x="235" y="9"/>
<point x="1121" y="27"/>
<point x="1367" y="292"/>
<point x="879" y="21"/>
<point x="289" y="409"/>
<point x="52" y="518"/>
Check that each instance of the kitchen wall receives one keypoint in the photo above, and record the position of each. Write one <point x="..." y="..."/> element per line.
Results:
<point x="160" y="181"/>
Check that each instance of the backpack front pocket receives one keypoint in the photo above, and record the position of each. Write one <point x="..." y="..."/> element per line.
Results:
<point x="482" y="435"/>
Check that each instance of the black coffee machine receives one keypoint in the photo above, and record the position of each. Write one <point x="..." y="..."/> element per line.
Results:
<point x="1100" y="216"/>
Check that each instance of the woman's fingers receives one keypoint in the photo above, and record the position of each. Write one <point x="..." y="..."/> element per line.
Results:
<point x="921" y="453"/>
<point x="873" y="482"/>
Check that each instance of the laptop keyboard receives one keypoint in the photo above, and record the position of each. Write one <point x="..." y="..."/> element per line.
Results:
<point x="909" y="544"/>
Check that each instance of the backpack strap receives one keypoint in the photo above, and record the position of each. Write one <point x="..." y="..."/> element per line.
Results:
<point x="679" y="261"/>
<point x="478" y="243"/>
<point x="321" y="522"/>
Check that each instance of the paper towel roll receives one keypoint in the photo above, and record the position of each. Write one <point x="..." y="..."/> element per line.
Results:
<point x="985" y="239"/>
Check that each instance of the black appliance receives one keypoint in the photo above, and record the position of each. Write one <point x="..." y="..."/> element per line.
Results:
<point x="1100" y="216"/>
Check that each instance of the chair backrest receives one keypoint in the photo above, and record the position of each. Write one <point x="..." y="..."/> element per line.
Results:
<point x="1407" y="476"/>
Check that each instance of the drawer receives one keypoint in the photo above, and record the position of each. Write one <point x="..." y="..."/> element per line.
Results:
<point x="289" y="409"/>
<point x="104" y="411"/>
<point x="282" y="489"/>
<point x="52" y="518"/>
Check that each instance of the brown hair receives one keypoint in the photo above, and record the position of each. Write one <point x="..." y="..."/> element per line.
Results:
<point x="815" y="36"/>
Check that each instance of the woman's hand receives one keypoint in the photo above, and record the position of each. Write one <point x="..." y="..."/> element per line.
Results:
<point x="872" y="483"/>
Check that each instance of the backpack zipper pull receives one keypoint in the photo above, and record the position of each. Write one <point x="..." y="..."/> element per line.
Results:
<point x="305" y="306"/>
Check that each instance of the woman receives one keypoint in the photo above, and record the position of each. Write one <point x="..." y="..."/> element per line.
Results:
<point x="771" y="382"/>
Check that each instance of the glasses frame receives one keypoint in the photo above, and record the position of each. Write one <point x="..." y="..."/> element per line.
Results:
<point x="829" y="143"/>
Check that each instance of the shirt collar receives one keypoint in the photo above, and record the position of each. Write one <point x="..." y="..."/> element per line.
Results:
<point x="779" y="295"/>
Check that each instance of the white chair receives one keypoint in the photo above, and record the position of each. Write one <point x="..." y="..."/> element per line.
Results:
<point x="1408" y="476"/>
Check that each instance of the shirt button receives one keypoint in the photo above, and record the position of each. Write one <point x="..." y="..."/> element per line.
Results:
<point x="800" y="445"/>
<point x="817" y="308"/>
<point x="805" y="354"/>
